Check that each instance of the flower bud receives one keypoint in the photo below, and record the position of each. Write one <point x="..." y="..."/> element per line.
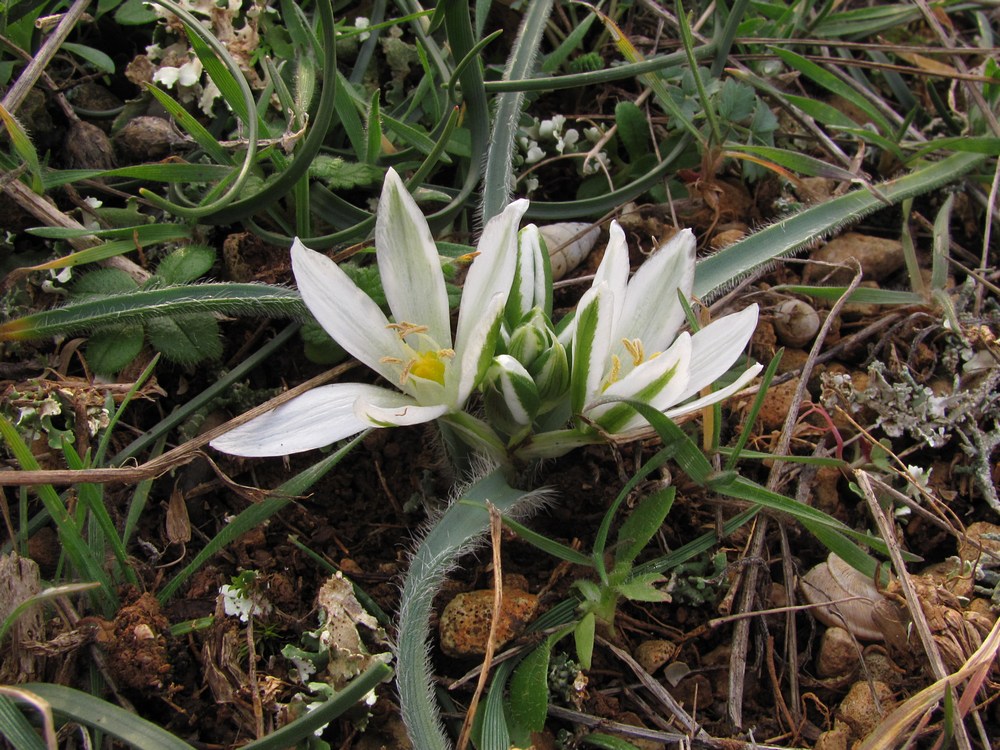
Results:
<point x="550" y="371"/>
<point x="510" y="396"/>
<point x="532" y="337"/>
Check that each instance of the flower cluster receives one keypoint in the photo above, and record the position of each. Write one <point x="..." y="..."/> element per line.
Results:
<point x="545" y="388"/>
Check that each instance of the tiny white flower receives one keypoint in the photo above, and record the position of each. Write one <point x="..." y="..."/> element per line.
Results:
<point x="236" y="603"/>
<point x="534" y="154"/>
<point x="167" y="75"/>
<point x="362" y="23"/>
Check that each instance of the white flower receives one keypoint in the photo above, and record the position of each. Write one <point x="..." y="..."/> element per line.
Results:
<point x="236" y="602"/>
<point x="187" y="74"/>
<point x="633" y="346"/>
<point x="627" y="343"/>
<point x="432" y="373"/>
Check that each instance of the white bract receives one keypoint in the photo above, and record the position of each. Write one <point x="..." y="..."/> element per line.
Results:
<point x="433" y="374"/>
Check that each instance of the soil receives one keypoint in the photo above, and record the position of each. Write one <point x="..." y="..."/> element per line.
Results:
<point x="217" y="682"/>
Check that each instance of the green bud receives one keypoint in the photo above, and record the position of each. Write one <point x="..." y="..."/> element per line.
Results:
<point x="551" y="372"/>
<point x="510" y="396"/>
<point x="533" y="335"/>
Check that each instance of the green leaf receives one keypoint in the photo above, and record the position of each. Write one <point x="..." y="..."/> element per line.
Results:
<point x="108" y="351"/>
<point x="95" y="57"/>
<point x="861" y="294"/>
<point x="339" y="174"/>
<point x="835" y="85"/>
<point x="736" y="101"/>
<point x="186" y="339"/>
<point x="719" y="272"/>
<point x="642" y="523"/>
<point x="583" y="637"/>
<point x="642" y="588"/>
<point x="16" y="728"/>
<point x="144" y="304"/>
<point x="135" y="13"/>
<point x="186" y="264"/>
<point x="633" y="129"/>
<point x="529" y="689"/>
<point x="821" y="111"/>
<point x="23" y="147"/>
<point x="607" y="742"/>
<point x="547" y="545"/>
<point x="89" y="710"/>
<point x="103" y="282"/>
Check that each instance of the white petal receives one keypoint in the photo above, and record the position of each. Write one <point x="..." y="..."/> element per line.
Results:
<point x="614" y="270"/>
<point x="492" y="271"/>
<point x="349" y="315"/>
<point x="388" y="408"/>
<point x="716" y="396"/>
<point x="477" y="350"/>
<point x="528" y="287"/>
<point x="314" y="419"/>
<point x="591" y="345"/>
<point x="653" y="313"/>
<point x="408" y="262"/>
<point x="716" y="346"/>
<point x="644" y="383"/>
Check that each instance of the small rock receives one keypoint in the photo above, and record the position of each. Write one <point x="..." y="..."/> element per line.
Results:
<point x="858" y="709"/>
<point x="796" y="322"/>
<point x="825" y="490"/>
<point x="465" y="622"/>
<point x="879" y="258"/>
<point x="834" y="739"/>
<point x="838" y="653"/>
<point x="727" y="237"/>
<point x="653" y="654"/>
<point x="88" y="147"/>
<point x="777" y="404"/>
<point x="880" y="667"/>
<point x="146" y="139"/>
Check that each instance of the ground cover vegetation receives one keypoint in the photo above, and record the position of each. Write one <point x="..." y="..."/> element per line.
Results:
<point x="532" y="374"/>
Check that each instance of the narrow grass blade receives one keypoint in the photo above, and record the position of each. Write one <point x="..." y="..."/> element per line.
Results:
<point x="499" y="175"/>
<point x="455" y="532"/>
<point x="822" y="77"/>
<point x="15" y="727"/>
<point x="24" y="148"/>
<point x="84" y="562"/>
<point x="105" y="250"/>
<point x="141" y="305"/>
<point x="91" y="711"/>
<point x="720" y="271"/>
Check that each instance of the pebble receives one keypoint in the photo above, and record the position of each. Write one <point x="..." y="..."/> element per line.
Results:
<point x="838" y="653"/>
<point x="653" y="654"/>
<point x="879" y="258"/>
<point x="858" y="709"/>
<point x="796" y="323"/>
<point x="464" y="626"/>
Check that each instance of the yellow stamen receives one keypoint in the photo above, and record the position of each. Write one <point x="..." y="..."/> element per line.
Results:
<point x="468" y="257"/>
<point x="616" y="371"/>
<point x="404" y="329"/>
<point x="636" y="349"/>
<point x="391" y="360"/>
